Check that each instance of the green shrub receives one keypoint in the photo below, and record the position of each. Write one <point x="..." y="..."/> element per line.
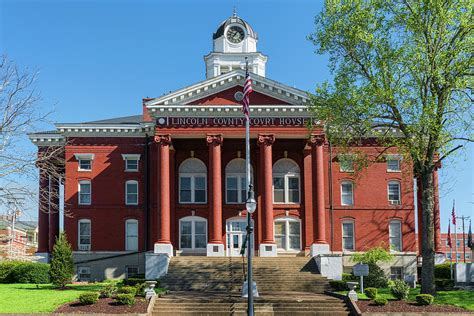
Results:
<point x="125" y="299"/>
<point x="444" y="284"/>
<point x="424" y="299"/>
<point x="127" y="289"/>
<point x="442" y="271"/>
<point x="380" y="301"/>
<point x="140" y="287"/>
<point x="338" y="285"/>
<point x="108" y="290"/>
<point x="89" y="298"/>
<point x="376" y="277"/>
<point x="373" y="255"/>
<point x="62" y="263"/>
<point x="349" y="277"/>
<point x="371" y="292"/>
<point x="31" y="272"/>
<point x="133" y="281"/>
<point x="400" y="289"/>
<point x="6" y="271"/>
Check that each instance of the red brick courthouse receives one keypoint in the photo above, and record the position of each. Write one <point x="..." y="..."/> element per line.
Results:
<point x="139" y="190"/>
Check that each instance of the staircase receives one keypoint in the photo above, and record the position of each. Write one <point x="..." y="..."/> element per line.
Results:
<point x="212" y="286"/>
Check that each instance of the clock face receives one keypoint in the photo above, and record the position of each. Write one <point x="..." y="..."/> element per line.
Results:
<point x="235" y="34"/>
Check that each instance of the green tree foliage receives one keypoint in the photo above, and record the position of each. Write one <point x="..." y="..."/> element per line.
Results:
<point x="402" y="74"/>
<point x="62" y="263"/>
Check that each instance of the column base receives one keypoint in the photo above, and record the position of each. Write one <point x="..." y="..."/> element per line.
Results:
<point x="330" y="266"/>
<point x="42" y="257"/>
<point x="267" y="250"/>
<point x="215" y="250"/>
<point x="165" y="249"/>
<point x="317" y="249"/>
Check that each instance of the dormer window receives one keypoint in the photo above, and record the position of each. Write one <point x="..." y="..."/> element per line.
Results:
<point x="84" y="161"/>
<point x="393" y="163"/>
<point x="346" y="163"/>
<point x="131" y="162"/>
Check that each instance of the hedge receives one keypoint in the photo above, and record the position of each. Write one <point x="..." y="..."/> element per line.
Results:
<point x="24" y="272"/>
<point x="380" y="301"/>
<point x="338" y="285"/>
<point x="371" y="292"/>
<point x="442" y="271"/>
<point x="125" y="299"/>
<point x="89" y="298"/>
<point x="424" y="299"/>
<point x="444" y="284"/>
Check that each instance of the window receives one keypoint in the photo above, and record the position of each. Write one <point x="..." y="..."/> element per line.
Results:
<point x="235" y="181"/>
<point x="131" y="192"/>
<point x="395" y="232"/>
<point x="192" y="181"/>
<point x="458" y="256"/>
<point x="84" y="235"/>
<point x="468" y="256"/>
<point x="448" y="255"/>
<point x="84" y="192"/>
<point x="396" y="273"/>
<point x="348" y="236"/>
<point x="131" y="271"/>
<point x="347" y="193"/>
<point x="84" y="161"/>
<point x="83" y="273"/>
<point x="346" y="163"/>
<point x="393" y="163"/>
<point x="394" y="192"/>
<point x="286" y="181"/>
<point x="131" y="235"/>
<point x="193" y="233"/>
<point x="458" y="243"/>
<point x="131" y="161"/>
<point x="287" y="233"/>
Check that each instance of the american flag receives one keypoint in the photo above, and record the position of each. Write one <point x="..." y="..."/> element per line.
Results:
<point x="450" y="244"/>
<point x="247" y="90"/>
<point x="453" y="214"/>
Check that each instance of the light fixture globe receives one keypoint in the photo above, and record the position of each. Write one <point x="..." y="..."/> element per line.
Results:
<point x="251" y="205"/>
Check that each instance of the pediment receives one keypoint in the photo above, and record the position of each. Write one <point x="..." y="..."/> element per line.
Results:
<point x="220" y="90"/>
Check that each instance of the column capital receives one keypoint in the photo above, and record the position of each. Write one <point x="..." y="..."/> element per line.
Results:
<point x="163" y="139"/>
<point x="316" y="139"/>
<point x="265" y="139"/>
<point x="214" y="139"/>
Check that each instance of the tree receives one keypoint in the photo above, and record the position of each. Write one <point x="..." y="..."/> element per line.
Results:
<point x="62" y="263"/>
<point x="20" y="112"/>
<point x="402" y="75"/>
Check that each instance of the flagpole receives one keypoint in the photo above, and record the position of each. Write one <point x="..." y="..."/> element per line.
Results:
<point x="450" y="252"/>
<point x="455" y="234"/>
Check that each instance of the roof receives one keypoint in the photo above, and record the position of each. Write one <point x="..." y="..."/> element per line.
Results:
<point x="133" y="119"/>
<point x="234" y="19"/>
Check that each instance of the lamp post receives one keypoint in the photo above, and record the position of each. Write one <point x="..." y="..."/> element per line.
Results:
<point x="250" y="205"/>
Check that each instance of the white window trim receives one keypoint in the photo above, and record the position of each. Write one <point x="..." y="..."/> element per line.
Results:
<point x="287" y="220"/>
<point x="79" y="191"/>
<point x="126" y="234"/>
<point x="399" y="222"/>
<point x="352" y="192"/>
<point x="80" y="157"/>
<point x="285" y="177"/>
<point x="192" y="219"/>
<point x="126" y="192"/>
<point x="193" y="177"/>
<point x="394" y="202"/>
<point x="347" y="221"/>
<point x="136" y="157"/>
<point x="240" y="198"/>
<point x="394" y="157"/>
<point x="79" y="234"/>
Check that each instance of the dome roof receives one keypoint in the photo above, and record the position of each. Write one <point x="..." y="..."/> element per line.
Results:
<point x="234" y="20"/>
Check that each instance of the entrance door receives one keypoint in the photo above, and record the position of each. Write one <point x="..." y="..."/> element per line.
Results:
<point x="236" y="231"/>
<point x="193" y="233"/>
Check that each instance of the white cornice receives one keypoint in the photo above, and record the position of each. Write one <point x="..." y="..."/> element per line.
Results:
<point x="225" y="81"/>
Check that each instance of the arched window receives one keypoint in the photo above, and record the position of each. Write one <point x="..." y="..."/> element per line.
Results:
<point x="288" y="233"/>
<point x="393" y="190"/>
<point x="131" y="235"/>
<point x="131" y="192"/>
<point x="347" y="193"/>
<point x="84" y="192"/>
<point x="193" y="233"/>
<point x="84" y="234"/>
<point x="192" y="181"/>
<point x="235" y="181"/>
<point x="395" y="235"/>
<point x="286" y="181"/>
<point x="348" y="235"/>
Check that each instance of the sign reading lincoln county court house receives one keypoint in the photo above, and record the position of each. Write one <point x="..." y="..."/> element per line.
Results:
<point x="231" y="121"/>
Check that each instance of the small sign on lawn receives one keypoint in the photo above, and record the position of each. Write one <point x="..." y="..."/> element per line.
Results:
<point x="360" y="269"/>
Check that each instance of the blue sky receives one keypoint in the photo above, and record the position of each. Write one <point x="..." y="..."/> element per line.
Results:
<point x="98" y="59"/>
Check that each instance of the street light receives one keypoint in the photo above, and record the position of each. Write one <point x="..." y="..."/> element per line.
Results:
<point x="251" y="204"/>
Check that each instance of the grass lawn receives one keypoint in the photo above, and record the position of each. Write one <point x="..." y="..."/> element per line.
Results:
<point x="464" y="299"/>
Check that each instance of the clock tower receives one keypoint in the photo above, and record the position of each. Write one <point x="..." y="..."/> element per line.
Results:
<point x="232" y="42"/>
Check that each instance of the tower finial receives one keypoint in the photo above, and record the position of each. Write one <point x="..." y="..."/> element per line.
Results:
<point x="234" y="14"/>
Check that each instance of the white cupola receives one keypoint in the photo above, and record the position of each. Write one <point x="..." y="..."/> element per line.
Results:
<point x="232" y="42"/>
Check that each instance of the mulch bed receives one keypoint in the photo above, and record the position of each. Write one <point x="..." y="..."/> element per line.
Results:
<point x="408" y="307"/>
<point x="104" y="306"/>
